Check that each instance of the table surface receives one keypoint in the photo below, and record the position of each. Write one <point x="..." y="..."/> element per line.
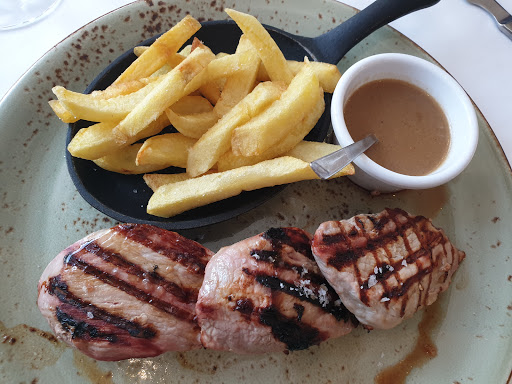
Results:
<point x="463" y="38"/>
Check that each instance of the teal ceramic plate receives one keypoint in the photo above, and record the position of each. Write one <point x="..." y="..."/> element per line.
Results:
<point x="42" y="213"/>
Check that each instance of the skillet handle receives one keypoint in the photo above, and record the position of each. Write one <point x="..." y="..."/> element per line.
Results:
<point x="333" y="45"/>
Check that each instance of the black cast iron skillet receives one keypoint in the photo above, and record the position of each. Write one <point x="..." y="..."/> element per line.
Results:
<point x="124" y="197"/>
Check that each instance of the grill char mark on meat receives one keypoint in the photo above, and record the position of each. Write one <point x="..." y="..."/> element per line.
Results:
<point x="183" y="294"/>
<point x="399" y="261"/>
<point x="116" y="294"/>
<point x="299" y="241"/>
<point x="291" y="307"/>
<point x="167" y="243"/>
<point x="69" y="301"/>
<point x="74" y="261"/>
<point x="82" y="329"/>
<point x="292" y="332"/>
<point x="278" y="285"/>
<point x="295" y="334"/>
<point x="343" y="259"/>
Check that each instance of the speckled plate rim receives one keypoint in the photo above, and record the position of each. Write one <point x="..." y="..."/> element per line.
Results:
<point x="500" y="151"/>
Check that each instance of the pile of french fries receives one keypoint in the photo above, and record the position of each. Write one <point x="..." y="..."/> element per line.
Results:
<point x="240" y="118"/>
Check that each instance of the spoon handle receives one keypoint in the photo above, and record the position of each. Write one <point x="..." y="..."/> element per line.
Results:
<point x="333" y="45"/>
<point x="331" y="164"/>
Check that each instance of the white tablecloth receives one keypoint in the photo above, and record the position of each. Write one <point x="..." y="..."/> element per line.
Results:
<point x="460" y="36"/>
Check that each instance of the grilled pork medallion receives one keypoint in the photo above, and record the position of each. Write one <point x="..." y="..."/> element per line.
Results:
<point x="128" y="291"/>
<point x="266" y="294"/>
<point x="385" y="266"/>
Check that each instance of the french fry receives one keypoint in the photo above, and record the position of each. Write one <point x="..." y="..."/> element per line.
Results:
<point x="122" y="88"/>
<point x="123" y="161"/>
<point x="240" y="83"/>
<point x="226" y="65"/>
<point x="208" y="89"/>
<point x="98" y="140"/>
<point x="193" y="125"/>
<point x="156" y="180"/>
<point x="211" y="91"/>
<point x="328" y="74"/>
<point x="241" y="117"/>
<point x="295" y="135"/>
<point x="168" y="150"/>
<point x="64" y="114"/>
<point x="88" y="107"/>
<point x="310" y="151"/>
<point x="166" y="68"/>
<point x="161" y="50"/>
<point x="188" y="105"/>
<point x="172" y="199"/>
<point x="277" y="121"/>
<point x="140" y="49"/>
<point x="305" y="150"/>
<point x="217" y="71"/>
<point x="270" y="54"/>
<point x="169" y="90"/>
<point x="217" y="140"/>
<point x="185" y="51"/>
<point x="172" y="60"/>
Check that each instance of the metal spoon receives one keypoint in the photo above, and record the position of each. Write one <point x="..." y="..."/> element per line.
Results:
<point x="332" y="163"/>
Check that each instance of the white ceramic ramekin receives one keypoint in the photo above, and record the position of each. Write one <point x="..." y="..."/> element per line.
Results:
<point x="442" y="87"/>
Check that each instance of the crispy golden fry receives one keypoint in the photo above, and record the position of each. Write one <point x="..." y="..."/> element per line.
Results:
<point x="194" y="125"/>
<point x="156" y="180"/>
<point x="208" y="89"/>
<point x="188" y="105"/>
<point x="276" y="122"/>
<point x="216" y="73"/>
<point x="168" y="150"/>
<point x="211" y="91"/>
<point x="111" y="104"/>
<point x="305" y="150"/>
<point x="161" y="50"/>
<point x="99" y="109"/>
<point x="260" y="130"/>
<point x="173" y="60"/>
<point x="226" y="65"/>
<point x="166" y="68"/>
<point x="98" y="140"/>
<point x="140" y="49"/>
<point x="123" y="161"/>
<point x="172" y="199"/>
<point x="328" y="74"/>
<point x="240" y="83"/>
<point x="122" y="88"/>
<point x="62" y="112"/>
<point x="185" y="51"/>
<point x="270" y="54"/>
<point x="169" y="90"/>
<point x="217" y="140"/>
<point x="310" y="151"/>
<point x="295" y="135"/>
